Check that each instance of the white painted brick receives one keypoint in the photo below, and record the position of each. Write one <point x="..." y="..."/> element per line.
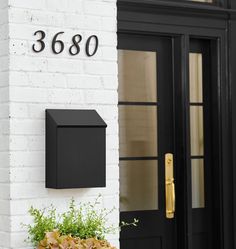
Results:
<point x="4" y="175"/>
<point x="27" y="158"/>
<point x="67" y="96"/>
<point x="4" y="47"/>
<point x="28" y="174"/>
<point x="112" y="128"/>
<point x="4" y="79"/>
<point x="28" y="190"/>
<point x="71" y="7"/>
<point x="57" y="5"/>
<point x="107" y="38"/>
<point x="5" y="207"/>
<point x="4" y="94"/>
<point x="4" y="240"/>
<point x="65" y="66"/>
<point x="45" y="80"/>
<point x="5" y="223"/>
<point x="92" y="23"/>
<point x="18" y="143"/>
<point x="28" y="4"/>
<point x="112" y="141"/>
<point x="19" y="110"/>
<point x="26" y="63"/>
<point x="100" y="68"/>
<point x="23" y="94"/>
<point x="84" y="81"/>
<point x="4" y="158"/>
<point x="4" y="191"/>
<point x="36" y="143"/>
<point x="18" y="47"/>
<point x="18" y="240"/>
<point x="4" y="30"/>
<point x="20" y="31"/>
<point x="101" y="97"/>
<point x="4" y="127"/>
<point x="112" y="157"/>
<point x="72" y="20"/>
<point x="19" y="78"/>
<point x="19" y="223"/>
<point x="112" y="173"/>
<point x="35" y="17"/>
<point x="4" y="142"/>
<point x="37" y="110"/>
<point x="100" y="8"/>
<point x="4" y="111"/>
<point x="109" y="24"/>
<point x="4" y="63"/>
<point x="110" y="82"/>
<point x="109" y="53"/>
<point x="3" y="4"/>
<point x="27" y="127"/>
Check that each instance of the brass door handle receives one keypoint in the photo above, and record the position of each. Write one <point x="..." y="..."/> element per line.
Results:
<point x="170" y="186"/>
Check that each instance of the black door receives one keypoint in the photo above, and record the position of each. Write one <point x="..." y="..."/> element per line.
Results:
<point x="165" y="144"/>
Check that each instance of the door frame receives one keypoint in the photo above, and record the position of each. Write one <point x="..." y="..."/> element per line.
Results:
<point x="217" y="23"/>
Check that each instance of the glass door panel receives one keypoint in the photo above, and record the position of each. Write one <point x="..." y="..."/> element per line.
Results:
<point x="138" y="185"/>
<point x="198" y="196"/>
<point x="196" y="128"/>
<point x="137" y="76"/>
<point x="138" y="131"/>
<point x="195" y="82"/>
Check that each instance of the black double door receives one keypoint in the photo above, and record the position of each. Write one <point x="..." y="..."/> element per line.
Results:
<point x="165" y="130"/>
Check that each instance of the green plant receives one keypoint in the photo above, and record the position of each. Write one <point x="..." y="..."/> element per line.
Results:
<point x="84" y="222"/>
<point x="44" y="220"/>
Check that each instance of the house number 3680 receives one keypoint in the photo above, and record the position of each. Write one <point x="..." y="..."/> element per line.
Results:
<point x="58" y="45"/>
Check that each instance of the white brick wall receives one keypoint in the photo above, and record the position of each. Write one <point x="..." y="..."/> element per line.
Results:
<point x="30" y="83"/>
<point x="4" y="129"/>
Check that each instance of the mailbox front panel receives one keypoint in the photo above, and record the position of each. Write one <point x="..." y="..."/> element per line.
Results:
<point x="80" y="157"/>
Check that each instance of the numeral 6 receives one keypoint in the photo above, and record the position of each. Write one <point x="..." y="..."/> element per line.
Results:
<point x="55" y="41"/>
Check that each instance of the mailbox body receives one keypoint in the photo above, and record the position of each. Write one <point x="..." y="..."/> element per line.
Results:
<point x="75" y="149"/>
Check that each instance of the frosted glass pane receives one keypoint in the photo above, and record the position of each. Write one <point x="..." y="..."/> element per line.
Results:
<point x="196" y="130"/>
<point x="137" y="76"/>
<point x="138" y="131"/>
<point x="198" y="197"/>
<point x="195" y="81"/>
<point x="138" y="185"/>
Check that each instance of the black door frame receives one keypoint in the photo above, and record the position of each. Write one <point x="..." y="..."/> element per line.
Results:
<point x="217" y="23"/>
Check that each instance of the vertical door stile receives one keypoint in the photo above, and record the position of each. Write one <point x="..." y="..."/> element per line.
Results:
<point x="186" y="141"/>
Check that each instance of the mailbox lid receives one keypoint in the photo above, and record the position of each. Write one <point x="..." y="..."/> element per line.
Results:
<point x="76" y="118"/>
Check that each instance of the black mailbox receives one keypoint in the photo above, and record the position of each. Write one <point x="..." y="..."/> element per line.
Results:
<point x="75" y="149"/>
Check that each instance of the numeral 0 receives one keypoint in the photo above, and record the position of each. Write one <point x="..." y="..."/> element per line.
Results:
<point x="88" y="45"/>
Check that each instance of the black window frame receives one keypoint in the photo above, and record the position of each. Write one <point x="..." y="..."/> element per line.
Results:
<point x="216" y="22"/>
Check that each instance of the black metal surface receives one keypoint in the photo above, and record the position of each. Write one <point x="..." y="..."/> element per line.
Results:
<point x="75" y="149"/>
